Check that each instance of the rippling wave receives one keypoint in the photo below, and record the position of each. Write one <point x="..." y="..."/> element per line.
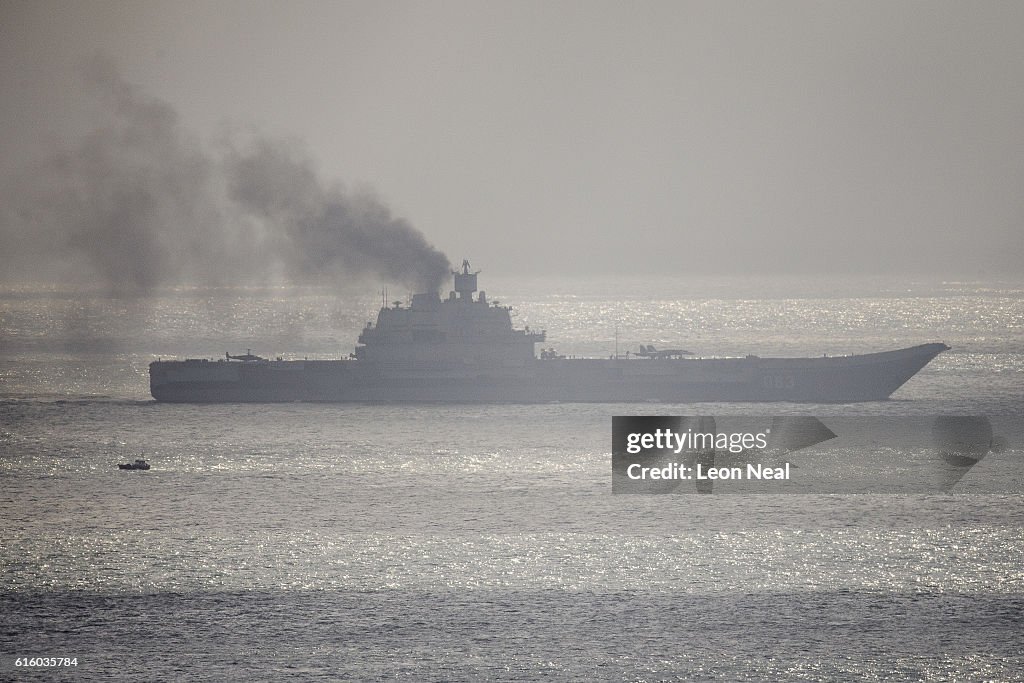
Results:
<point x="482" y="542"/>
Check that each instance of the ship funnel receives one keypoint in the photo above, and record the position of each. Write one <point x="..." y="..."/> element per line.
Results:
<point x="426" y="300"/>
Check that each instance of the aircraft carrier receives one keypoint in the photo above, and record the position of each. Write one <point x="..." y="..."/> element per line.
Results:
<point x="464" y="349"/>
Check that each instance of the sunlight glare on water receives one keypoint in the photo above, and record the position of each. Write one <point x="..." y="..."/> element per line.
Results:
<point x="482" y="541"/>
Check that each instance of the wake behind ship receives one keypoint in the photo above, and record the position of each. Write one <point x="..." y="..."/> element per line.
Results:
<point x="464" y="349"/>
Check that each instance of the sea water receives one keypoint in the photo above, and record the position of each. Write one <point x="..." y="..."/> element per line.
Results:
<point x="455" y="542"/>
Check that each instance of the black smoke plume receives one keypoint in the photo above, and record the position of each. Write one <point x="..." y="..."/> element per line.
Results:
<point x="322" y="231"/>
<point x="140" y="203"/>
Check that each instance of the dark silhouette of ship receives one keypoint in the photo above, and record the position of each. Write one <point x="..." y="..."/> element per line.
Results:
<point x="464" y="349"/>
<point x="139" y="464"/>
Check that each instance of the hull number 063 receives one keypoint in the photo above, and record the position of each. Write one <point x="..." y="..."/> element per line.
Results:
<point x="778" y="381"/>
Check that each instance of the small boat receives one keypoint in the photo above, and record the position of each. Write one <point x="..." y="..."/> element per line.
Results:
<point x="139" y="464"/>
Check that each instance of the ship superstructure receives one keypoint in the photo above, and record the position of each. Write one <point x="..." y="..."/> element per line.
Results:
<point x="465" y="349"/>
<point x="458" y="330"/>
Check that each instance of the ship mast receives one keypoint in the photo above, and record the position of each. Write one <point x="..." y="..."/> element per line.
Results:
<point x="465" y="282"/>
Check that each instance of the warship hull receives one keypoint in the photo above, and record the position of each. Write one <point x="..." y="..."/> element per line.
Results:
<point x="837" y="379"/>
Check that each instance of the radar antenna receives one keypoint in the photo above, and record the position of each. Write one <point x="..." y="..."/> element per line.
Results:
<point x="465" y="282"/>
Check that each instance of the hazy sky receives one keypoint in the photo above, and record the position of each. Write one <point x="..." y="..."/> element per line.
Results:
<point x="591" y="137"/>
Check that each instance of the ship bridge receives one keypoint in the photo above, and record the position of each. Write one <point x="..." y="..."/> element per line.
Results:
<point x="461" y="329"/>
